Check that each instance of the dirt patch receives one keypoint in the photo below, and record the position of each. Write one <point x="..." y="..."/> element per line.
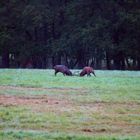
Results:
<point x="31" y="100"/>
<point x="87" y="117"/>
<point x="13" y="100"/>
<point x="10" y="100"/>
<point x="63" y="101"/>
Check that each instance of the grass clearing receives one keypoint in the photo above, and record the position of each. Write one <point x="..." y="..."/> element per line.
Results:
<point x="34" y="104"/>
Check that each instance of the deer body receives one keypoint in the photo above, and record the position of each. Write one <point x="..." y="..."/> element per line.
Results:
<point x="63" y="69"/>
<point x="87" y="70"/>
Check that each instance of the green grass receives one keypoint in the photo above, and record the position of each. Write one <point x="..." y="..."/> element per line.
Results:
<point x="35" y="135"/>
<point x="108" y="85"/>
<point x="106" y="107"/>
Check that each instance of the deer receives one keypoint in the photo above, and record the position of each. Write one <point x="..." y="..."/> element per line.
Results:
<point x="87" y="71"/>
<point x="63" y="69"/>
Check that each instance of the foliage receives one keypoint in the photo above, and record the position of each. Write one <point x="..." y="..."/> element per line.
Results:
<point x="82" y="32"/>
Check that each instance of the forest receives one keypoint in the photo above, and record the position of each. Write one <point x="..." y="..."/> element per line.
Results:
<point x="104" y="34"/>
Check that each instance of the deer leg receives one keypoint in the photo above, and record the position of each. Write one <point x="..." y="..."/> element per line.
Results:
<point x="93" y="73"/>
<point x="56" y="73"/>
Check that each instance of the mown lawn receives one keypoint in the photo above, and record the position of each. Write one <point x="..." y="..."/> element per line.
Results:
<point x="36" y="105"/>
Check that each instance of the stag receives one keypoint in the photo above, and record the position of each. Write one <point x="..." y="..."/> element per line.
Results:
<point x="63" y="69"/>
<point x="87" y="70"/>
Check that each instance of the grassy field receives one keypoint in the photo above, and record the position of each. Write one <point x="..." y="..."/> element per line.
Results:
<point x="36" y="105"/>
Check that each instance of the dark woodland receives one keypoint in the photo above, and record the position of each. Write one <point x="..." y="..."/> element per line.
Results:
<point x="104" y="34"/>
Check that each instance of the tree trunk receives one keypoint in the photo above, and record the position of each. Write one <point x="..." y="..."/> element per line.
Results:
<point x="123" y="64"/>
<point x="108" y="60"/>
<point x="127" y="62"/>
<point x="44" y="62"/>
<point x="53" y="61"/>
<point x="117" y="64"/>
<point x="134" y="62"/>
<point x="119" y="60"/>
<point x="58" y="58"/>
<point x="66" y="59"/>
<point x="53" y="31"/>
<point x="45" y="33"/>
<point x="98" y="63"/>
<point x="81" y="59"/>
<point x="92" y="62"/>
<point x="5" y="58"/>
<point x="138" y="66"/>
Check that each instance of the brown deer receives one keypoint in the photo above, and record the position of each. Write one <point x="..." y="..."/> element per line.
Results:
<point x="63" y="69"/>
<point x="87" y="70"/>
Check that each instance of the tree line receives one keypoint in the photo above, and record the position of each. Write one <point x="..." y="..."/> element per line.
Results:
<point x="104" y="34"/>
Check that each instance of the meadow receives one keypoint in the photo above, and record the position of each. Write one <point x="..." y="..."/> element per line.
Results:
<point x="36" y="105"/>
